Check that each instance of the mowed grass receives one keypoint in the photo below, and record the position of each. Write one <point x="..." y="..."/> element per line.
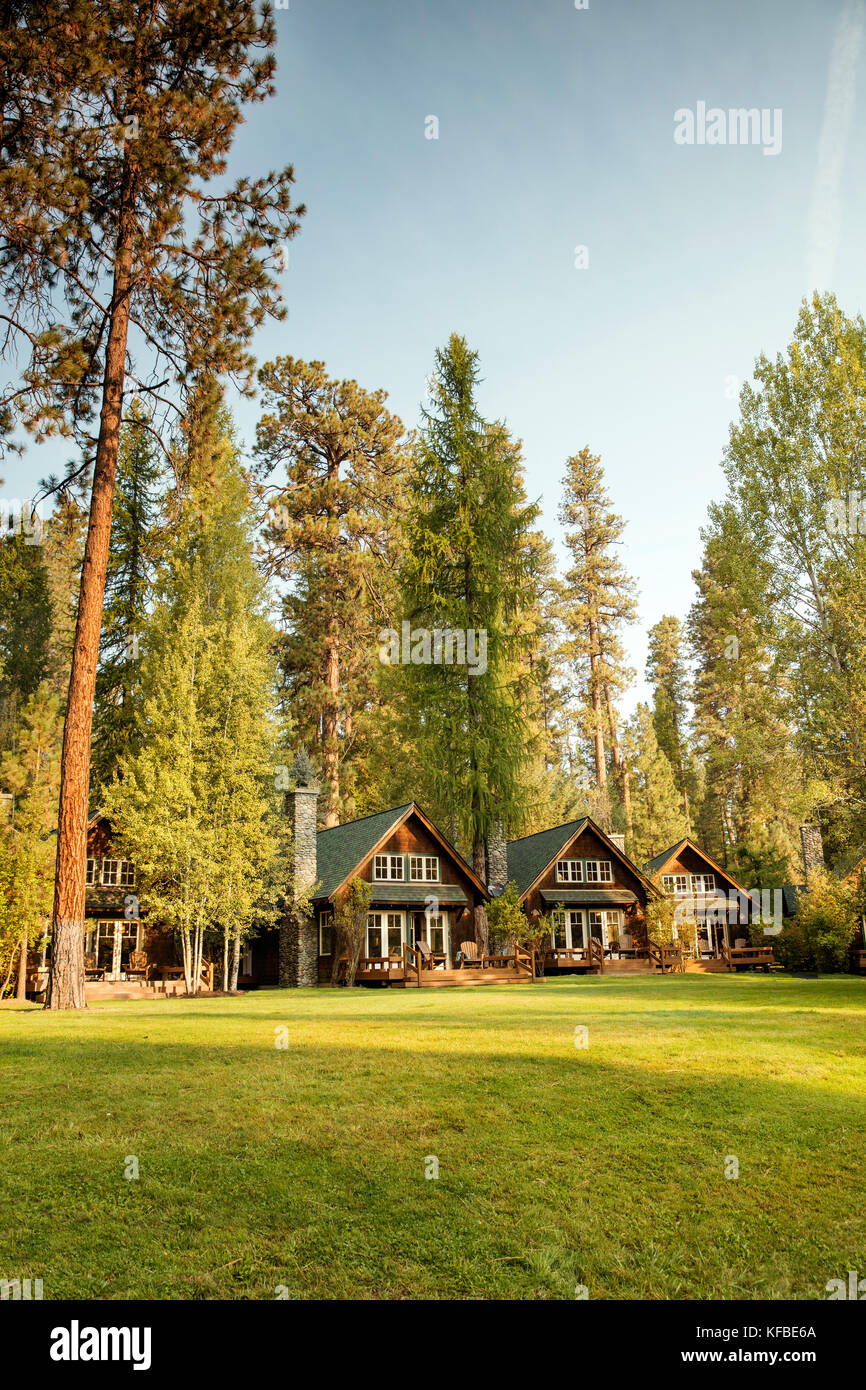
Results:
<point x="559" y="1166"/>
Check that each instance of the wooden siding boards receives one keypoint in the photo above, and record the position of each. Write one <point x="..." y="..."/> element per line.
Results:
<point x="687" y="857"/>
<point x="532" y="867"/>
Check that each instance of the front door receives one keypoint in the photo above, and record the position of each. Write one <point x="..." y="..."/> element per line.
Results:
<point x="433" y="927"/>
<point x="113" y="942"/>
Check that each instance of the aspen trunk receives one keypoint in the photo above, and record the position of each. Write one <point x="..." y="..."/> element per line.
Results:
<point x="66" y="982"/>
<point x="21" y="986"/>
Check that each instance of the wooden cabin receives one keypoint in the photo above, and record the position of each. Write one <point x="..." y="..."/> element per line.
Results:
<point x="422" y="890"/>
<point x="593" y="890"/>
<point x="713" y="909"/>
<point x="115" y="929"/>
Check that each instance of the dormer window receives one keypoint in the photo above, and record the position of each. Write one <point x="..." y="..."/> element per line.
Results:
<point x="599" y="871"/>
<point x="703" y="883"/>
<point x="569" y="871"/>
<point x="423" y="868"/>
<point x="388" y="868"/>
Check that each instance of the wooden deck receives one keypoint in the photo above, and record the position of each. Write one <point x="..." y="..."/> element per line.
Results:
<point x="408" y="970"/>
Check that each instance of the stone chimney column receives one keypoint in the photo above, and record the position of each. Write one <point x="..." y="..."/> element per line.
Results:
<point x="619" y="841"/>
<point x="299" y="946"/>
<point x="497" y="855"/>
<point x="813" y="849"/>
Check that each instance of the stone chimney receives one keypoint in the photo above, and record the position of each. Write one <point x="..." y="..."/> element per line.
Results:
<point x="497" y="855"/>
<point x="299" y="947"/>
<point x="619" y="841"/>
<point x="813" y="849"/>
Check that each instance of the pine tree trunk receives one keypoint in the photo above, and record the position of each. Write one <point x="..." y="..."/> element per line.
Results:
<point x="479" y="864"/>
<point x="330" y="747"/>
<point x="626" y="799"/>
<point x="66" y="982"/>
<point x="595" y="693"/>
<point x="21" y="986"/>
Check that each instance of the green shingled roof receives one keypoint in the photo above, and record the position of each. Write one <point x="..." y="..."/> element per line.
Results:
<point x="653" y="866"/>
<point x="340" y="850"/>
<point x="528" y="857"/>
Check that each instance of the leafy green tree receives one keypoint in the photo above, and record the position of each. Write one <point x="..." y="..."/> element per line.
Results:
<point x="824" y="923"/>
<point x="350" y="926"/>
<point x="136" y="537"/>
<point x="742" y="701"/>
<point x="333" y="509"/>
<point x="667" y="673"/>
<point x="465" y="564"/>
<point x="197" y="804"/>
<point x="25" y="627"/>
<point x="30" y="772"/>
<point x="657" y="811"/>
<point x="797" y="486"/>
<point x="116" y="115"/>
<point x="598" y="601"/>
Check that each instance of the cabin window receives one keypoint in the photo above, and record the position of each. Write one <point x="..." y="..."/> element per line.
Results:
<point x="326" y="934"/>
<point x="423" y="868"/>
<point x="127" y="874"/>
<point x="678" y="884"/>
<point x="436" y="938"/>
<point x="385" y="933"/>
<point x="599" y="871"/>
<point x="110" y="873"/>
<point x="703" y="883"/>
<point x="92" y="875"/>
<point x="388" y="868"/>
<point x="569" y="871"/>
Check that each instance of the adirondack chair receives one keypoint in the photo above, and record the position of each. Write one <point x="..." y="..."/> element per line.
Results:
<point x="430" y="958"/>
<point x="92" y="971"/>
<point x="470" y="955"/>
<point x="137" y="965"/>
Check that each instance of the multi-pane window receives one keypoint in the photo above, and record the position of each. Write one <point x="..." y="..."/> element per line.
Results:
<point x="110" y="873"/>
<point x="678" y="884"/>
<point x="388" y="867"/>
<point x="569" y="871"/>
<point x="599" y="871"/>
<point x="326" y="934"/>
<point x="566" y="930"/>
<point x="384" y="933"/>
<point x="423" y="868"/>
<point x="703" y="883"/>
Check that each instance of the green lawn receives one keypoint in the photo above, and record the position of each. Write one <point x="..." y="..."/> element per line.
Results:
<point x="558" y="1165"/>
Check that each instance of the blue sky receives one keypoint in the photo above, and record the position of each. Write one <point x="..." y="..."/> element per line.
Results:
<point x="556" y="130"/>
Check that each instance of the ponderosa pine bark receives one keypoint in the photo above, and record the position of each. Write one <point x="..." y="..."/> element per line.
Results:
<point x="66" y="986"/>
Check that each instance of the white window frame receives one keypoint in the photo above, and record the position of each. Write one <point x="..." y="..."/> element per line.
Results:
<point x="127" y="873"/>
<point x="677" y="885"/>
<point x="573" y="921"/>
<point x="602" y="871"/>
<point x="703" y="880"/>
<point x="438" y="921"/>
<point x="423" y="868"/>
<point x="104" y="878"/>
<point x="122" y="926"/>
<point x="569" y="871"/>
<point x="326" y="920"/>
<point x="385" y="922"/>
<point x="91" y="877"/>
<point x="390" y="862"/>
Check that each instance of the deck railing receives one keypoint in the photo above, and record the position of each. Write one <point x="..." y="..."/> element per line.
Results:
<point x="666" y="957"/>
<point x="524" y="960"/>
<point x="412" y="963"/>
<point x="746" y="955"/>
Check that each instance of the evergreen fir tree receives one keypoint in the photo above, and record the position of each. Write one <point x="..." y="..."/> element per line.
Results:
<point x="465" y="565"/>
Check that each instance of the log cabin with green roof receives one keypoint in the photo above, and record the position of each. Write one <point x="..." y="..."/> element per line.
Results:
<point x="595" y="894"/>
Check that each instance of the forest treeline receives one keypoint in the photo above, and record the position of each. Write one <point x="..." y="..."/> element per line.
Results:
<point x="252" y="584"/>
